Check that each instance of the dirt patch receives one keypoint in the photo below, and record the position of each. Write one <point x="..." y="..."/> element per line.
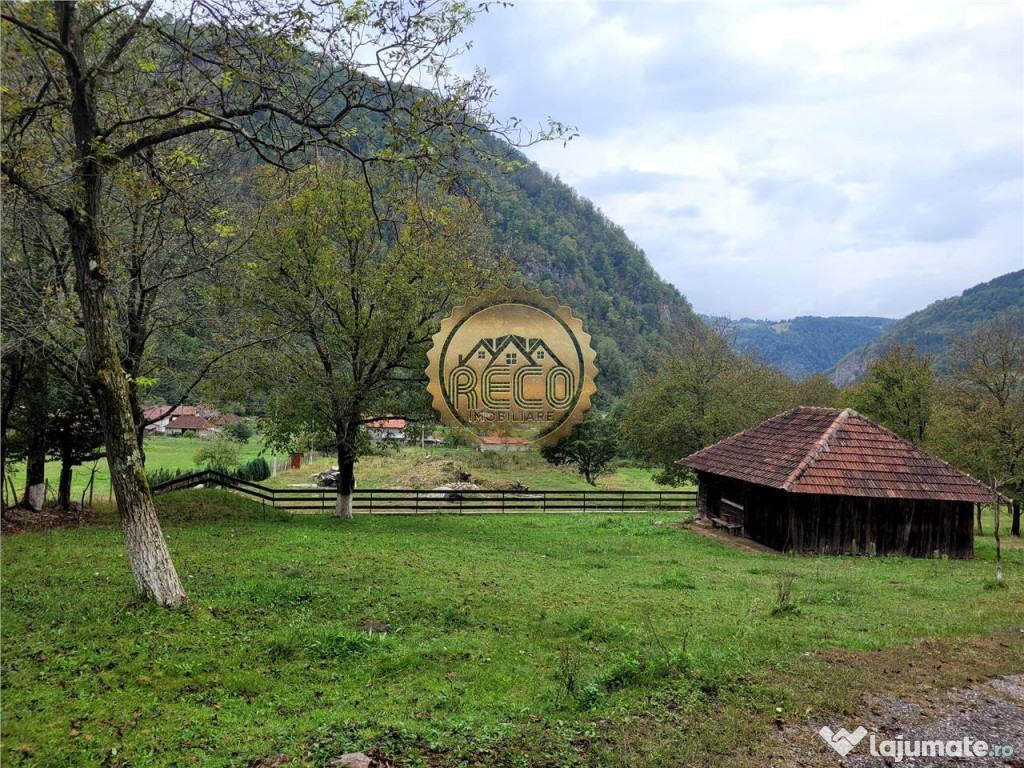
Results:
<point x="932" y="690"/>
<point x="704" y="528"/>
<point x="19" y="520"/>
<point x="992" y="712"/>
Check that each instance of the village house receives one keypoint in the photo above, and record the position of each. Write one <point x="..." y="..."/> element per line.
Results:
<point x="386" y="430"/>
<point x="196" y="425"/>
<point x="833" y="481"/>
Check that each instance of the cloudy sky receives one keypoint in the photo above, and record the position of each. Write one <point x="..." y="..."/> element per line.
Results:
<point x="779" y="159"/>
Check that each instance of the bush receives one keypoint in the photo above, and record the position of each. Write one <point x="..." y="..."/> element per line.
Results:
<point x="219" y="451"/>
<point x="254" y="471"/>
<point x="456" y="438"/>
<point x="157" y="476"/>
<point x="240" y="432"/>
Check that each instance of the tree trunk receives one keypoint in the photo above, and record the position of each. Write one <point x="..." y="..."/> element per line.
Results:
<point x="999" y="548"/>
<point x="14" y="365"/>
<point x="155" y="577"/>
<point x="64" y="488"/>
<point x="981" y="530"/>
<point x="1015" y="525"/>
<point x="35" y="448"/>
<point x="346" y="483"/>
<point x="35" y="476"/>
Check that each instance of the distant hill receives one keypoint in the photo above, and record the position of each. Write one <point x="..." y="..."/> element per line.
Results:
<point x="563" y="244"/>
<point x="929" y="329"/>
<point x="805" y="345"/>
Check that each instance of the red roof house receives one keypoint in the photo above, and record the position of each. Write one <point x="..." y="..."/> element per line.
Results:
<point x="828" y="480"/>
<point x="386" y="428"/>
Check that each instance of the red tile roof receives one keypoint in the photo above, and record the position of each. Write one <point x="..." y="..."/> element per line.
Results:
<point x="157" y="412"/>
<point x="832" y="452"/>
<point x="229" y="418"/>
<point x="189" y="422"/>
<point x="386" y="424"/>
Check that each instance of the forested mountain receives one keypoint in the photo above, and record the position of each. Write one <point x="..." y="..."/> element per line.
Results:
<point x="930" y="329"/>
<point x="804" y="345"/>
<point x="568" y="248"/>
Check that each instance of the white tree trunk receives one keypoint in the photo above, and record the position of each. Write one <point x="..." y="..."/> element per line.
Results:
<point x="36" y="496"/>
<point x="343" y="506"/>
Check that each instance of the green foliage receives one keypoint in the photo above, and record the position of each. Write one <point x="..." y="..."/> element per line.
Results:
<point x="351" y="300"/>
<point x="931" y="329"/>
<point x="591" y="447"/>
<point x="898" y="392"/>
<point x="806" y="345"/>
<point x="255" y="470"/>
<point x="456" y="438"/>
<point x="564" y="245"/>
<point x="979" y="424"/>
<point x="240" y="431"/>
<point x="702" y="393"/>
<point x="162" y="475"/>
<point x="218" y="451"/>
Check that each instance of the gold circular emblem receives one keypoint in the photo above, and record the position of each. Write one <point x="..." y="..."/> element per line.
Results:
<point x="512" y="366"/>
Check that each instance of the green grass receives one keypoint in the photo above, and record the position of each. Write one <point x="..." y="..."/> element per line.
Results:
<point x="409" y="467"/>
<point x="515" y="640"/>
<point x="162" y="452"/>
<point x="413" y="467"/>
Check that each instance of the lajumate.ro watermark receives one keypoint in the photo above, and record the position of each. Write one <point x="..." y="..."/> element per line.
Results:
<point x="967" y="748"/>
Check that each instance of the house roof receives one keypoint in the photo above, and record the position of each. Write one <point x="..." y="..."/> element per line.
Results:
<point x="835" y="452"/>
<point x="189" y="422"/>
<point x="386" y="424"/>
<point x="157" y="412"/>
<point x="229" y="418"/>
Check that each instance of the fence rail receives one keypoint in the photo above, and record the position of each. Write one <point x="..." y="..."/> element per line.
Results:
<point x="395" y="501"/>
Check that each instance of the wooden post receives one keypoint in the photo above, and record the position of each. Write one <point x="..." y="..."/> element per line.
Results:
<point x="1015" y="525"/>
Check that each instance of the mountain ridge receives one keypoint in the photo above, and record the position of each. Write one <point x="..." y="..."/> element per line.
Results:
<point x="929" y="329"/>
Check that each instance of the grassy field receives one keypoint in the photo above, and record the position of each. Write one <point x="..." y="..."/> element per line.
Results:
<point x="161" y="453"/>
<point x="414" y="467"/>
<point x="410" y="467"/>
<point x="511" y="641"/>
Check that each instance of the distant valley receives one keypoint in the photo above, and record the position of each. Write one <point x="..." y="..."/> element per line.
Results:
<point x="842" y="347"/>
<point x="804" y="345"/>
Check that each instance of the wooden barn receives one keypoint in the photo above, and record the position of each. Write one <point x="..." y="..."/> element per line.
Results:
<point x="831" y="481"/>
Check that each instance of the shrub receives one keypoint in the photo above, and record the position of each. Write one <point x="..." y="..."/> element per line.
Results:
<point x="218" y="452"/>
<point x="157" y="476"/>
<point x="240" y="432"/>
<point x="254" y="470"/>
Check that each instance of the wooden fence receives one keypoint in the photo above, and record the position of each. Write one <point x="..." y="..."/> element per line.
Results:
<point x="393" y="501"/>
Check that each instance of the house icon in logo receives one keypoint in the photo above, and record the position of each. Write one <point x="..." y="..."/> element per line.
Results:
<point x="511" y="371"/>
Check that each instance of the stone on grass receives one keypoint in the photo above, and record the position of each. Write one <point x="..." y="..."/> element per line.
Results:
<point x="351" y="760"/>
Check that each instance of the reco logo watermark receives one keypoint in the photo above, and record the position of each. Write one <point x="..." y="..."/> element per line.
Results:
<point x="843" y="741"/>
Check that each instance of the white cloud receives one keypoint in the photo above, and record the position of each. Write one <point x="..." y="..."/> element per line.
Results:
<point x="783" y="159"/>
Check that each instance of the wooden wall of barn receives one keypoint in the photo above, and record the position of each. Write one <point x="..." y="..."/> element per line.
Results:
<point x="843" y="524"/>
